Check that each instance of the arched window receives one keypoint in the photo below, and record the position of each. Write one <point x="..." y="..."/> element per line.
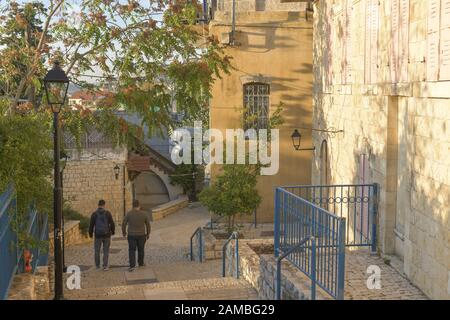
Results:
<point x="324" y="164"/>
<point x="256" y="105"/>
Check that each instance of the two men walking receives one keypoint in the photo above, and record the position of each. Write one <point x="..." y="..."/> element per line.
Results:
<point x="103" y="227"/>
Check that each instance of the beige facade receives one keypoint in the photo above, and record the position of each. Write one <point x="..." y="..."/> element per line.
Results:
<point x="380" y="74"/>
<point x="273" y="46"/>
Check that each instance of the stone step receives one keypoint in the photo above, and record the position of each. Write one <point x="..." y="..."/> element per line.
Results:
<point x="202" y="289"/>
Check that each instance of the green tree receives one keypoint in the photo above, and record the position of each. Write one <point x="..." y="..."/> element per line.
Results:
<point x="149" y="49"/>
<point x="233" y="192"/>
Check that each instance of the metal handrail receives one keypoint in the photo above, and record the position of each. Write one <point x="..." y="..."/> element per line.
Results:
<point x="313" y="266"/>
<point x="234" y="236"/>
<point x="198" y="231"/>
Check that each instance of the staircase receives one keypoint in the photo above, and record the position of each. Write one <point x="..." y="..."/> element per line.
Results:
<point x="201" y="289"/>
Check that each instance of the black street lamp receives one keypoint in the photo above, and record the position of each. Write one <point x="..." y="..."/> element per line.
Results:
<point x="297" y="141"/>
<point x="63" y="158"/>
<point x="297" y="137"/>
<point x="56" y="84"/>
<point x="117" y="174"/>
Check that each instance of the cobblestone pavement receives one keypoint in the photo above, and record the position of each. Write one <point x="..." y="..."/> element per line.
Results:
<point x="394" y="286"/>
<point x="168" y="273"/>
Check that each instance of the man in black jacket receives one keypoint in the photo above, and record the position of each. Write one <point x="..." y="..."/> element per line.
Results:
<point x="102" y="225"/>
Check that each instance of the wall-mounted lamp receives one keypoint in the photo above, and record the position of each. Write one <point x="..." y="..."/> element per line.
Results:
<point x="117" y="171"/>
<point x="297" y="138"/>
<point x="297" y="141"/>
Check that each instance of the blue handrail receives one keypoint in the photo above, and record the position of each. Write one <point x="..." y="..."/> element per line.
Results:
<point x="9" y="251"/>
<point x="199" y="234"/>
<point x="296" y="219"/>
<point x="300" y="245"/>
<point x="11" y="257"/>
<point x="234" y="236"/>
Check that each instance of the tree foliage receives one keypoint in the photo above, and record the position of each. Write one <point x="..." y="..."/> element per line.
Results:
<point x="150" y="50"/>
<point x="233" y="192"/>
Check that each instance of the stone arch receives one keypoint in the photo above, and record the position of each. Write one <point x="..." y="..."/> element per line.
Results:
<point x="150" y="190"/>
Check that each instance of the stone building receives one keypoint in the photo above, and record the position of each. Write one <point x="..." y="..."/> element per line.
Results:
<point x="271" y="52"/>
<point x="98" y="170"/>
<point x="382" y="74"/>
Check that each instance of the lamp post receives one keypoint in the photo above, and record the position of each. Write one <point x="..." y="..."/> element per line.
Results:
<point x="63" y="157"/>
<point x="56" y="84"/>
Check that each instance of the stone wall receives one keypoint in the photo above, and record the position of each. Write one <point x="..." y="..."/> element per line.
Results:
<point x="403" y="127"/>
<point x="89" y="176"/>
<point x="29" y="286"/>
<point x="72" y="235"/>
<point x="274" y="48"/>
<point x="260" y="271"/>
<point x="168" y="208"/>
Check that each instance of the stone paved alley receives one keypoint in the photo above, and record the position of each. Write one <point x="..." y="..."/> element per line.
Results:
<point x="168" y="273"/>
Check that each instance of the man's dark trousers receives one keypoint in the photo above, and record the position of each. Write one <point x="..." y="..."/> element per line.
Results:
<point x="136" y="242"/>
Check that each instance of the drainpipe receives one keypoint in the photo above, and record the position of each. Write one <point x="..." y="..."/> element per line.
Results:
<point x="205" y="11"/>
<point x="233" y="28"/>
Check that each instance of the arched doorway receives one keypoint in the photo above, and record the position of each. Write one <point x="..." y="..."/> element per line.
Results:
<point x="150" y="190"/>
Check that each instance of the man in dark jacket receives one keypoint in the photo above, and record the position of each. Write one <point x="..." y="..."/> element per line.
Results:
<point x="138" y="223"/>
<point x="103" y="227"/>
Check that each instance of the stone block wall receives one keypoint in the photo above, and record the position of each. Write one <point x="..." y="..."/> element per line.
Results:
<point x="72" y="235"/>
<point x="89" y="176"/>
<point x="402" y="126"/>
<point x="168" y="208"/>
<point x="260" y="271"/>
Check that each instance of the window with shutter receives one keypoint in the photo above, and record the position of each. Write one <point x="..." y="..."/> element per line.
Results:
<point x="368" y="42"/>
<point x="329" y="44"/>
<point x="433" y="26"/>
<point x="371" y="41"/>
<point x="394" y="52"/>
<point x="403" y="40"/>
<point x="399" y="55"/>
<point x="347" y="50"/>
<point x="375" y="9"/>
<point x="444" y="67"/>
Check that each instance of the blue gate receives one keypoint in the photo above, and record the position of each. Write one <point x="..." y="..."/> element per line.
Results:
<point x="11" y="256"/>
<point x="334" y="217"/>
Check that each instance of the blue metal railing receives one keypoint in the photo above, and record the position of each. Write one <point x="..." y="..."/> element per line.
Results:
<point x="312" y="267"/>
<point x="358" y="203"/>
<point x="227" y="255"/>
<point x="11" y="256"/>
<point x="9" y="251"/>
<point x="297" y="219"/>
<point x="198" y="236"/>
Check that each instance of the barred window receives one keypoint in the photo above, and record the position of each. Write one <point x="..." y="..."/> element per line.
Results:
<point x="256" y="105"/>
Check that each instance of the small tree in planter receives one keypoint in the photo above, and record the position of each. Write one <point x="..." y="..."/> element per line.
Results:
<point x="234" y="192"/>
